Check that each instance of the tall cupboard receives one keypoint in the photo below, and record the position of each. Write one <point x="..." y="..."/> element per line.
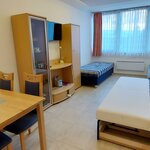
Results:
<point x="30" y="40"/>
<point x="70" y="50"/>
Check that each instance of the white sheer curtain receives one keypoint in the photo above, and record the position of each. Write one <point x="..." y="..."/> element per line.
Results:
<point x="126" y="32"/>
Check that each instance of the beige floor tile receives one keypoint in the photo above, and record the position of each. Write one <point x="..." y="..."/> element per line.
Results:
<point x="59" y="145"/>
<point x="56" y="129"/>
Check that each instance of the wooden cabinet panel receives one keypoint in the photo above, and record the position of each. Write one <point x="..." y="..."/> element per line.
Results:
<point x="71" y="91"/>
<point x="60" y="96"/>
<point x="76" y="55"/>
<point x="70" y="51"/>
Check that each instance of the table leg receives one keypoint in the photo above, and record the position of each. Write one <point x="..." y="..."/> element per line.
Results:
<point x="42" y="135"/>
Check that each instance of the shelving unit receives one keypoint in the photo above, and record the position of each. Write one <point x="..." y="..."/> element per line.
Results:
<point x="60" y="66"/>
<point x="64" y="72"/>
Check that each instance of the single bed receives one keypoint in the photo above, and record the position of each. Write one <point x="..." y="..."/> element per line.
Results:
<point x="126" y="108"/>
<point x="96" y="72"/>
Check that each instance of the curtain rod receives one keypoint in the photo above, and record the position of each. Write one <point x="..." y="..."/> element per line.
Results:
<point x="148" y="6"/>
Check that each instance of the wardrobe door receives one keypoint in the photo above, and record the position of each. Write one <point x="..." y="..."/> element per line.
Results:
<point x="40" y="53"/>
<point x="39" y="44"/>
<point x="76" y="54"/>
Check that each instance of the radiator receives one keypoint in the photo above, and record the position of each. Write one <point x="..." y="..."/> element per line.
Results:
<point x="130" y="66"/>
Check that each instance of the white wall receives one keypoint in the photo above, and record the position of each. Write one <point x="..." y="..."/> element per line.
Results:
<point x="54" y="50"/>
<point x="54" y="10"/>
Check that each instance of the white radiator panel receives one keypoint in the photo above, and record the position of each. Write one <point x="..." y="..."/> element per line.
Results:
<point x="130" y="66"/>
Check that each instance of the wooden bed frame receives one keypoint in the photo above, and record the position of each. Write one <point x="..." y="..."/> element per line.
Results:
<point x="123" y="135"/>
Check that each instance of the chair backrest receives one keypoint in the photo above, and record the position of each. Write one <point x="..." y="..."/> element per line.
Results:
<point x="7" y="81"/>
<point x="33" y="84"/>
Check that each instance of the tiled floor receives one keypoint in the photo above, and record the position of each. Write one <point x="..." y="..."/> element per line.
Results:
<point x="71" y="124"/>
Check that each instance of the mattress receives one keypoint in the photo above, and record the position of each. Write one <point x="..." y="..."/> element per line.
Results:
<point x="96" y="68"/>
<point x="128" y="103"/>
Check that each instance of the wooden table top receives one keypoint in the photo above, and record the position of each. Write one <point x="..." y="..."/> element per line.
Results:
<point x="13" y="105"/>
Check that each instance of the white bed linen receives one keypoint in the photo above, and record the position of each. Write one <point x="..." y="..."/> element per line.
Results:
<point x="127" y="103"/>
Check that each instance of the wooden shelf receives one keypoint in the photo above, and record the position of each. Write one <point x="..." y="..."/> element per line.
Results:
<point x="61" y="93"/>
<point x="60" y="66"/>
<point x="57" y="90"/>
<point x="64" y="72"/>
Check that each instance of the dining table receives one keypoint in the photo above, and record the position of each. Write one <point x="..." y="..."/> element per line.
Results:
<point x="14" y="105"/>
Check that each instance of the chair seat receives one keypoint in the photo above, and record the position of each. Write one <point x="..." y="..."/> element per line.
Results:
<point x="4" y="140"/>
<point x="23" y="123"/>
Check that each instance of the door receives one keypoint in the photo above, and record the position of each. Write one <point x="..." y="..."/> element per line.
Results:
<point x="40" y="53"/>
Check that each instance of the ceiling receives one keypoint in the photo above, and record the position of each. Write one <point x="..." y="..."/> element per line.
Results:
<point x="91" y="3"/>
<point x="104" y="5"/>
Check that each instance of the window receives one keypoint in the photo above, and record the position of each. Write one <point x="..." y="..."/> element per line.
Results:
<point x="126" y="33"/>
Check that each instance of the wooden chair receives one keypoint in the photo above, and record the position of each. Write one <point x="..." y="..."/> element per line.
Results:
<point x="5" y="141"/>
<point x="6" y="81"/>
<point x="33" y="85"/>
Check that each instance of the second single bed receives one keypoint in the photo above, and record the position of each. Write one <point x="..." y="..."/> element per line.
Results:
<point x="96" y="72"/>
